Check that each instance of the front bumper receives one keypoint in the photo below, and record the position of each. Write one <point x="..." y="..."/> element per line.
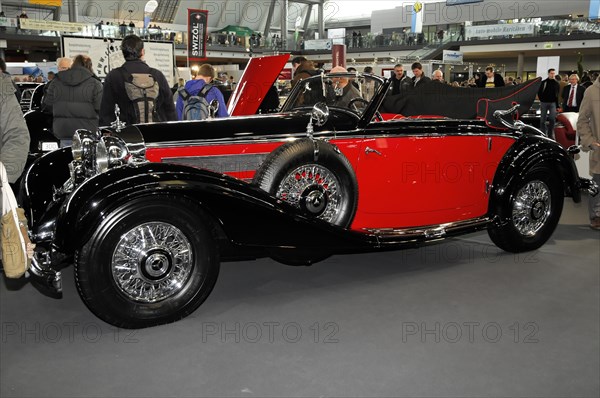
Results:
<point x="586" y="184"/>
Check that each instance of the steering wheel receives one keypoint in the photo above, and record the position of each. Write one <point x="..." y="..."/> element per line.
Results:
<point x="353" y="101"/>
<point x="353" y="107"/>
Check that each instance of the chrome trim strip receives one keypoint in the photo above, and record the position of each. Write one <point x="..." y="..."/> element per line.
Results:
<point x="222" y="163"/>
<point x="428" y="231"/>
<point x="321" y="135"/>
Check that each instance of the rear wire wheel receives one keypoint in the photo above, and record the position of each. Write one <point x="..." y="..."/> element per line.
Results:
<point x="531" y="212"/>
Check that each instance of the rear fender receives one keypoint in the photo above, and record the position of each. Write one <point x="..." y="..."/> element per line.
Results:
<point x="527" y="153"/>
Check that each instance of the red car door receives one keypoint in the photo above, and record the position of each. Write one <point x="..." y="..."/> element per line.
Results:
<point x="426" y="178"/>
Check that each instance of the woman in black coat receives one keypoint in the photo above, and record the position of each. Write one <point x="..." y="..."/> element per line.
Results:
<point x="75" y="95"/>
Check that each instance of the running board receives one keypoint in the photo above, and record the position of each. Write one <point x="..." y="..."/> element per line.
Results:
<point x="392" y="236"/>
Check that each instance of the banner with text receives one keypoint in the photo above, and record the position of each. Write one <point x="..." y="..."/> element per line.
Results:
<point x="452" y="57"/>
<point x="107" y="55"/>
<point x="197" y="33"/>
<point x="508" y="29"/>
<point x="58" y="26"/>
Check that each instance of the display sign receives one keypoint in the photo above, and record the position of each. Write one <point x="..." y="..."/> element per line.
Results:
<point x="545" y="63"/>
<point x="337" y="36"/>
<point x="452" y="57"/>
<point x="318" y="44"/>
<point x="58" y="26"/>
<point x="197" y="34"/>
<point x="8" y="22"/>
<point x="106" y="54"/>
<point x="508" y="29"/>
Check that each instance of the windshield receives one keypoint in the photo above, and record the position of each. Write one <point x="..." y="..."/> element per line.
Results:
<point x="339" y="90"/>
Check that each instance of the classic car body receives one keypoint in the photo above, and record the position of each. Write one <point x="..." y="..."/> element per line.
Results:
<point x="147" y="212"/>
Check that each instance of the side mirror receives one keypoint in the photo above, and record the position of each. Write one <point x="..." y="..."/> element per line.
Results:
<point x="318" y="117"/>
<point x="319" y="114"/>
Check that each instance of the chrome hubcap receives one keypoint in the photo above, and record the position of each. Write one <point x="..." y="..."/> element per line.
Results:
<point x="313" y="189"/>
<point x="531" y="207"/>
<point x="152" y="262"/>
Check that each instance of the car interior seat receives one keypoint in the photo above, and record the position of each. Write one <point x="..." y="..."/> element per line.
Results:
<point x="565" y="130"/>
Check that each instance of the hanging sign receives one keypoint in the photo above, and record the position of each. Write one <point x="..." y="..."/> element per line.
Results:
<point x="197" y="33"/>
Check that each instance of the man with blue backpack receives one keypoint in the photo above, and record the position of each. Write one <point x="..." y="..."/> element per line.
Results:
<point x="193" y="102"/>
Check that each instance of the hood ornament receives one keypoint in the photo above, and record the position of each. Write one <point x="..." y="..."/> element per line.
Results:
<point x="118" y="125"/>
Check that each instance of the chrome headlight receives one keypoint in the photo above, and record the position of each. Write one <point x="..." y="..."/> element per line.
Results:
<point x="94" y="154"/>
<point x="116" y="150"/>
<point x="101" y="157"/>
<point x="76" y="146"/>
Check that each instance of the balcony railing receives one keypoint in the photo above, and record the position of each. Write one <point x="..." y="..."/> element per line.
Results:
<point x="422" y="42"/>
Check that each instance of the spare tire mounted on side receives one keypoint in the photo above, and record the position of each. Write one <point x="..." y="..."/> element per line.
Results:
<point x="315" y="177"/>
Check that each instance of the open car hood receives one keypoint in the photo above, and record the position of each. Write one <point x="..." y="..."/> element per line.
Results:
<point x="258" y="77"/>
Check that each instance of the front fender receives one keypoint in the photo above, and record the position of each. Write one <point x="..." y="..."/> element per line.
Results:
<point x="526" y="153"/>
<point x="47" y="174"/>
<point x="245" y="214"/>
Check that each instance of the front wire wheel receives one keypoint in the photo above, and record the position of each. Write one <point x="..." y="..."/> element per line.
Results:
<point x="150" y="261"/>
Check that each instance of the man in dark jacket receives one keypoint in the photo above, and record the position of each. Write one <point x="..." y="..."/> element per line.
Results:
<point x="419" y="78"/>
<point x="74" y="96"/>
<point x="115" y="92"/>
<point x="548" y="95"/>
<point x="490" y="79"/>
<point x="572" y="94"/>
<point x="399" y="80"/>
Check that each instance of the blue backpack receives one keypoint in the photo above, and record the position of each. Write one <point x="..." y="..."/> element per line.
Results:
<point x="195" y="107"/>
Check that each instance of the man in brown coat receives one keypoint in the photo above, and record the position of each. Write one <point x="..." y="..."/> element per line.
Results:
<point x="588" y="129"/>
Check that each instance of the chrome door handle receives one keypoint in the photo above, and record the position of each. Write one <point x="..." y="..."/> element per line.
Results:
<point x="369" y="150"/>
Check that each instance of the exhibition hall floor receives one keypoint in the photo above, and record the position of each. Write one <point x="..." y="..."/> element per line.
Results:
<point x="461" y="319"/>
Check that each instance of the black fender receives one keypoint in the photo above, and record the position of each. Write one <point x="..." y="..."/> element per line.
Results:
<point x="528" y="152"/>
<point x="41" y="180"/>
<point x="243" y="214"/>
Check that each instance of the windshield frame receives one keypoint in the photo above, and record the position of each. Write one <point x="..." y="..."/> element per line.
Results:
<point x="323" y="78"/>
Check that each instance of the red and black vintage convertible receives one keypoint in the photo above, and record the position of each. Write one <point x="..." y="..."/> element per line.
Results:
<point x="146" y="213"/>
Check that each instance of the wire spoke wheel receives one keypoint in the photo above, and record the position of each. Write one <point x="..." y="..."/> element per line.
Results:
<point x="313" y="189"/>
<point x="528" y="212"/>
<point x="152" y="262"/>
<point x="531" y="207"/>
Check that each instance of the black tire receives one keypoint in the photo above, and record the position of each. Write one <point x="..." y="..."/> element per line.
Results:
<point x="333" y="198"/>
<point x="175" y="272"/>
<point x="530" y="213"/>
